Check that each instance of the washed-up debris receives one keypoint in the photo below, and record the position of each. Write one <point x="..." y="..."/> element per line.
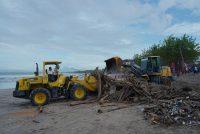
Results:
<point x="122" y="90"/>
<point x="170" y="105"/>
<point x="131" y="89"/>
<point x="176" y="111"/>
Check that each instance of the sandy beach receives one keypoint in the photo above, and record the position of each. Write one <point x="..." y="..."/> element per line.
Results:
<point x="18" y="116"/>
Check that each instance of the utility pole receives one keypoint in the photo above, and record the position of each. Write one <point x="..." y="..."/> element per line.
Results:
<point x="182" y="60"/>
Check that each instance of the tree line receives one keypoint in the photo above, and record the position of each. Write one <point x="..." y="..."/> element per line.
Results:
<point x="177" y="50"/>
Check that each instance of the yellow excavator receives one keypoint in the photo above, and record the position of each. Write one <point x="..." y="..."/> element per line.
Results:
<point x="41" y="88"/>
<point x="150" y="69"/>
<point x="155" y="72"/>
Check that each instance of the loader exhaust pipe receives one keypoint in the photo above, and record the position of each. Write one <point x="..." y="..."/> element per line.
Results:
<point x="37" y="70"/>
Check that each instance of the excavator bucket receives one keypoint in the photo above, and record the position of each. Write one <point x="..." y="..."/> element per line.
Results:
<point x="113" y="65"/>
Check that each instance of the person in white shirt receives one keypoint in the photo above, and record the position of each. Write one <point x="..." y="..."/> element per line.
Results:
<point x="50" y="71"/>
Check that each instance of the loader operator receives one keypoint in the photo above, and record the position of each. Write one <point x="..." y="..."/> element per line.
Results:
<point x="52" y="77"/>
<point x="50" y="71"/>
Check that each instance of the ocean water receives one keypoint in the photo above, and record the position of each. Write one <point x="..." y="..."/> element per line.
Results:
<point x="8" y="80"/>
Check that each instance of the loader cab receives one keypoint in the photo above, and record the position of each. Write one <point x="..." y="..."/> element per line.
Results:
<point x="55" y="68"/>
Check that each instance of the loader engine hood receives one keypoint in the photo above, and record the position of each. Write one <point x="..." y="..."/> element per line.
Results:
<point x="24" y="83"/>
<point x="35" y="79"/>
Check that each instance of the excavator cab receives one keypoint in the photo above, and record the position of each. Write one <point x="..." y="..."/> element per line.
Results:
<point x="156" y="73"/>
<point x="151" y="65"/>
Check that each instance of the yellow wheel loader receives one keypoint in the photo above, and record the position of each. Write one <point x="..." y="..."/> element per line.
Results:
<point x="41" y="88"/>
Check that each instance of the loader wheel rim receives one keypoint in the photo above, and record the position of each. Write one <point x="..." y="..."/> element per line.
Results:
<point x="79" y="93"/>
<point x="40" y="98"/>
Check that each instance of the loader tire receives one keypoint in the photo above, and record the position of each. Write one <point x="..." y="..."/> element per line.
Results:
<point x="78" y="92"/>
<point x="40" y="97"/>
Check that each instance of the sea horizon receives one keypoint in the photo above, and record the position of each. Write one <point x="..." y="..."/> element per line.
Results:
<point x="8" y="79"/>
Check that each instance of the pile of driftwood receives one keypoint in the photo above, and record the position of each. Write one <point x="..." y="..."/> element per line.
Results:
<point x="132" y="89"/>
<point x="170" y="105"/>
<point x="122" y="90"/>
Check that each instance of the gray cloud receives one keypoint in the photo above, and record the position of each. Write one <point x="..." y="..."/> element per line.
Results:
<point x="81" y="33"/>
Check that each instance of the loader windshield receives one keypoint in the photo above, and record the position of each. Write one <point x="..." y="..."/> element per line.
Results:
<point x="51" y="69"/>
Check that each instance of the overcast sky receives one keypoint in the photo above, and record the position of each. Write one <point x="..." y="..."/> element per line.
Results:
<point x="83" y="33"/>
